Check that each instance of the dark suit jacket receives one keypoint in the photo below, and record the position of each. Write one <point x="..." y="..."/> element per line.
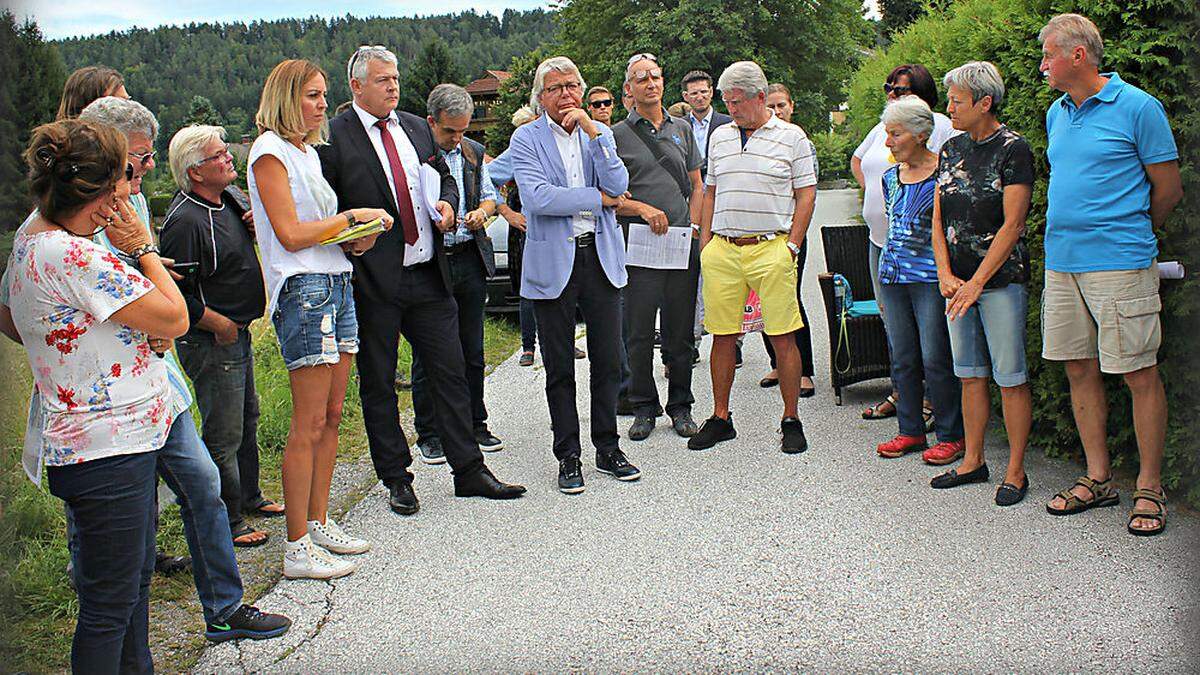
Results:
<point x="718" y="119"/>
<point x="354" y="172"/>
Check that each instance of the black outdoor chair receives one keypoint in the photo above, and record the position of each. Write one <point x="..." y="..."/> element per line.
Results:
<point x="860" y="352"/>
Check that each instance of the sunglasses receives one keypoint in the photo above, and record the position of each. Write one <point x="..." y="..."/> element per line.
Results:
<point x="897" y="89"/>
<point x="640" y="75"/>
<point x="601" y="103"/>
<point x="639" y="57"/>
<point x="357" y="53"/>
<point x="145" y="158"/>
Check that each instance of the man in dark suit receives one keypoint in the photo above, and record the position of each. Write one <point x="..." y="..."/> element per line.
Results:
<point x="698" y="92"/>
<point x="401" y="285"/>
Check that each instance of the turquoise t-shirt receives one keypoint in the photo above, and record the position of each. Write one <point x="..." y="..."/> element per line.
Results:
<point x="1098" y="211"/>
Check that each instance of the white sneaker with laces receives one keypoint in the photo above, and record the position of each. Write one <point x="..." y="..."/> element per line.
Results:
<point x="331" y="537"/>
<point x="305" y="560"/>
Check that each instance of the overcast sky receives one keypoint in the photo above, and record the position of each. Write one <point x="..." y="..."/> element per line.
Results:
<point x="68" y="18"/>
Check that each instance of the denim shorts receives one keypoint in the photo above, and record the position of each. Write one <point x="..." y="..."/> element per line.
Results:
<point x="989" y="340"/>
<point x="314" y="319"/>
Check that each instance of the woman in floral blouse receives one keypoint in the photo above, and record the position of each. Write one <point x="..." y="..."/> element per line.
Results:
<point x="83" y="317"/>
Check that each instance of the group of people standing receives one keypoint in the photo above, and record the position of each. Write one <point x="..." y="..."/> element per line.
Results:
<point x="97" y="307"/>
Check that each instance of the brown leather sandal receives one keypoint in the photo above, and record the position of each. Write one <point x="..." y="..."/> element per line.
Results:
<point x="1157" y="513"/>
<point x="1103" y="494"/>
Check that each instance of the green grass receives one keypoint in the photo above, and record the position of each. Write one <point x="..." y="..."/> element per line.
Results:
<point x="37" y="605"/>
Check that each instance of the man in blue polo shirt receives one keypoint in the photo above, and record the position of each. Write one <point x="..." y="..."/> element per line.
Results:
<point x="1114" y="174"/>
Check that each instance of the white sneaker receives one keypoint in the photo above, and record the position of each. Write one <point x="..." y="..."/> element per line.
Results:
<point x="332" y="538"/>
<point x="305" y="560"/>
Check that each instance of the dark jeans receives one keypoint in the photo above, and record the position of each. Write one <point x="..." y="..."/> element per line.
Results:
<point x="803" y="336"/>
<point x="469" y="281"/>
<point x="223" y="378"/>
<point x="590" y="291"/>
<point x="423" y="311"/>
<point x="111" y="502"/>
<point x="915" y="317"/>
<point x="674" y="291"/>
<point x="626" y="373"/>
<point x="528" y="325"/>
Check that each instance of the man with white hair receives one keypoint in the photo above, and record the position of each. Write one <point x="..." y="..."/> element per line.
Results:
<point x="758" y="201"/>
<point x="571" y="181"/>
<point x="375" y="158"/>
<point x="1114" y="177"/>
<point x="205" y="232"/>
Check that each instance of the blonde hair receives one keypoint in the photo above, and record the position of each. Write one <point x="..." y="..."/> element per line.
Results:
<point x="279" y="107"/>
<point x="187" y="150"/>
<point x="1075" y="30"/>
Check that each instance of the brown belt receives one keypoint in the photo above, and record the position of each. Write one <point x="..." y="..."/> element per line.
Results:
<point x="748" y="240"/>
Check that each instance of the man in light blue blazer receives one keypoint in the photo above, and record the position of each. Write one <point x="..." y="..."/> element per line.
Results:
<point x="571" y="180"/>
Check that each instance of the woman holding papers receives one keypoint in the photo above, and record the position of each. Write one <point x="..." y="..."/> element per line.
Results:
<point x="310" y="302"/>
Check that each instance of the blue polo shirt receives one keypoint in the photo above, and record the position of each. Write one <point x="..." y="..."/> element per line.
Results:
<point x="1098" y="211"/>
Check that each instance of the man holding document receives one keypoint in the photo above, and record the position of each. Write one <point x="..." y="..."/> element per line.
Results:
<point x="663" y="256"/>
<point x="390" y="160"/>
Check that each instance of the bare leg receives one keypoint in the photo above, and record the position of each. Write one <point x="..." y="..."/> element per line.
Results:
<point x="787" y="359"/>
<point x="1017" y="403"/>
<point x="976" y="409"/>
<point x="310" y="395"/>
<point x="721" y="366"/>
<point x="1150" y="426"/>
<point x="326" y="454"/>
<point x="1090" y="406"/>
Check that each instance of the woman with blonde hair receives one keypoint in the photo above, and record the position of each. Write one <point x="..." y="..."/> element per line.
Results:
<point x="311" y="304"/>
<point x="86" y="85"/>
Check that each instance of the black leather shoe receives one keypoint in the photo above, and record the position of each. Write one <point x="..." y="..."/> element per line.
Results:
<point x="684" y="425"/>
<point x="713" y="431"/>
<point x="483" y="484"/>
<point x="402" y="499"/>
<point x="953" y="478"/>
<point x="570" y="476"/>
<point x="641" y="428"/>
<point x="614" y="463"/>
<point x="793" y="436"/>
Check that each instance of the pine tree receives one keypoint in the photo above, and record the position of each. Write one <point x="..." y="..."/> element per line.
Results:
<point x="434" y="66"/>
<point x="203" y="112"/>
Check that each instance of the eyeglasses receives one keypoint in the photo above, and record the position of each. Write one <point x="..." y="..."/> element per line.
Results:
<point x="128" y="171"/>
<point x="639" y="57"/>
<point x="357" y="53"/>
<point x="640" y="75"/>
<point x="144" y="158"/>
<point x="897" y="89"/>
<point x="572" y="87"/>
<point x="222" y="155"/>
<point x="601" y="103"/>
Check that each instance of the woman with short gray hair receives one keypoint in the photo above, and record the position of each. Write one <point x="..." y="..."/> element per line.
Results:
<point x="913" y="309"/>
<point x="985" y="181"/>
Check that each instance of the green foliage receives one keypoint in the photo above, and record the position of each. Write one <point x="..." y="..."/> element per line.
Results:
<point x="811" y="47"/>
<point x="203" y="112"/>
<point x="1152" y="44"/>
<point x="895" y="15"/>
<point x="434" y="66"/>
<point x="514" y="93"/>
<point x="33" y="75"/>
<point x="833" y="154"/>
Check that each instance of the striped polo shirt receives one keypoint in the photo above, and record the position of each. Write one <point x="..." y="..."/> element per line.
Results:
<point x="755" y="183"/>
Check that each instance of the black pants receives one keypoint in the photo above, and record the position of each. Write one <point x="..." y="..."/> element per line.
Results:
<point x="469" y="289"/>
<point x="803" y="336"/>
<point x="588" y="290"/>
<point x="674" y="291"/>
<point x="425" y="313"/>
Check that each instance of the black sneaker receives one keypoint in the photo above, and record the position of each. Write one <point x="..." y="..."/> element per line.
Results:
<point x="713" y="431"/>
<point x="431" y="451"/>
<point x="248" y="622"/>
<point x="614" y="463"/>
<point x="793" y="436"/>
<point x="570" y="476"/>
<point x="487" y="442"/>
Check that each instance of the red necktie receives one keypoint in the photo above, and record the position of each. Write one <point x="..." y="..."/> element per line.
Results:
<point x="404" y="205"/>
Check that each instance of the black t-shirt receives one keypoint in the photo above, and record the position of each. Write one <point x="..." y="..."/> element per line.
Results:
<point x="972" y="177"/>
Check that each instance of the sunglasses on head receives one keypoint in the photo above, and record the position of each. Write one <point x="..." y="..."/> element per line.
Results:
<point x="639" y="57"/>
<point x="897" y="89"/>
<point x="601" y="103"/>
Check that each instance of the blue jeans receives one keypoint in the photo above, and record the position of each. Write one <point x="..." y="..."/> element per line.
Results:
<point x="528" y="324"/>
<point x="111" y="503"/>
<point x="187" y="468"/>
<point x="915" y="317"/>
<point x="315" y="320"/>
<point x="989" y="340"/>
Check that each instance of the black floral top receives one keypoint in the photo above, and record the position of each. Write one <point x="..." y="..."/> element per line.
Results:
<point x="972" y="177"/>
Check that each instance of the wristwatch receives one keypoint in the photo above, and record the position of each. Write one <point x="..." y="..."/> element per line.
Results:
<point x="794" y="248"/>
<point x="142" y="250"/>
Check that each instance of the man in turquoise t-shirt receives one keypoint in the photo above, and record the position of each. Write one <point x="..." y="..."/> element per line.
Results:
<point x="1114" y="174"/>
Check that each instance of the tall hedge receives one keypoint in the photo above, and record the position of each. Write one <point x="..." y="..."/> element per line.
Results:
<point x="1154" y="44"/>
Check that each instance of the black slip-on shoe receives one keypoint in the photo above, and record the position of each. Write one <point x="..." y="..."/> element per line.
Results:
<point x="953" y="478"/>
<point x="794" y="441"/>
<point x="713" y="431"/>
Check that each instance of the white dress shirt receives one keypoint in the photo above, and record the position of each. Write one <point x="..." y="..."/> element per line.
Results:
<point x="700" y="130"/>
<point x="571" y="150"/>
<point x="422" y="251"/>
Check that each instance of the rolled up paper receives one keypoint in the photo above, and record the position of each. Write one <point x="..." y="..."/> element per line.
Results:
<point x="1171" y="269"/>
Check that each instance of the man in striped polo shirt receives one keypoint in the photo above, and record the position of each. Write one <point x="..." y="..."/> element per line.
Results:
<point x="758" y="200"/>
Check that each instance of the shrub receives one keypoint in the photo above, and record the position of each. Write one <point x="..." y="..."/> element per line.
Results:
<point x="1152" y="44"/>
<point x="833" y="154"/>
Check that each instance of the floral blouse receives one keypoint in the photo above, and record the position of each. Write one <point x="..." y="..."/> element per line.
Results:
<point x="103" y="392"/>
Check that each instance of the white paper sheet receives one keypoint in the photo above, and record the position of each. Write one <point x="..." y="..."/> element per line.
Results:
<point x="669" y="251"/>
<point x="431" y="191"/>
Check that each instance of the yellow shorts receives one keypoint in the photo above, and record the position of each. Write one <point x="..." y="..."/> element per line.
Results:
<point x="730" y="271"/>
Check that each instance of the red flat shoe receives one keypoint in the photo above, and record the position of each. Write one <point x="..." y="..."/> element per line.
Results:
<point x="945" y="453"/>
<point x="901" y="446"/>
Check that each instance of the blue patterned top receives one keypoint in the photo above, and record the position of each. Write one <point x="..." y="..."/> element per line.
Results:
<point x="907" y="256"/>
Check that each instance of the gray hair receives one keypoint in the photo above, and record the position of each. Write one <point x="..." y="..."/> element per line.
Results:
<point x="745" y="76"/>
<point x="187" y="150"/>
<point x="449" y="99"/>
<point x="1075" y="30"/>
<point x="356" y="67"/>
<point x="559" y="64"/>
<point x="981" y="78"/>
<point x="523" y="115"/>
<point x="910" y="112"/>
<point x="125" y="115"/>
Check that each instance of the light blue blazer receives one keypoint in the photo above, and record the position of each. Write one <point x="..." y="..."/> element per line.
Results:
<point x="549" y="205"/>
